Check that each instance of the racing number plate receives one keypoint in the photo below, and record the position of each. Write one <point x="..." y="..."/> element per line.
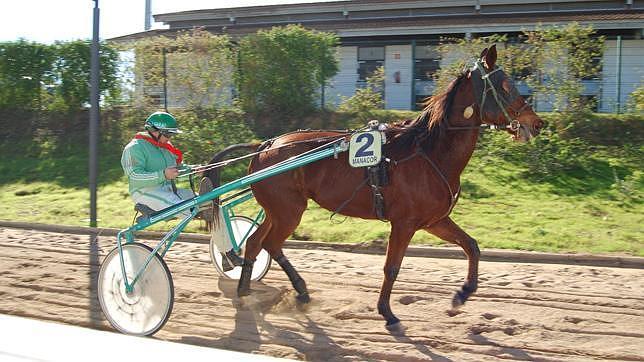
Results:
<point x="365" y="149"/>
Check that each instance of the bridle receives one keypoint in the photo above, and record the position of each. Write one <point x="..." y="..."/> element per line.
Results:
<point x="503" y="103"/>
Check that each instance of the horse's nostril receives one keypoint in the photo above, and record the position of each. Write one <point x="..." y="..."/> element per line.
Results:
<point x="538" y="124"/>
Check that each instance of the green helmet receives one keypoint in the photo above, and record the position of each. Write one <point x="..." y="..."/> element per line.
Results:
<point x="162" y="121"/>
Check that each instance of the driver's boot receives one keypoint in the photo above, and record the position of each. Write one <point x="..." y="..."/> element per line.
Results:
<point x="230" y="259"/>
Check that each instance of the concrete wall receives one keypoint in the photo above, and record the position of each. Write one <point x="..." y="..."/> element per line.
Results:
<point x="632" y="73"/>
<point x="344" y="83"/>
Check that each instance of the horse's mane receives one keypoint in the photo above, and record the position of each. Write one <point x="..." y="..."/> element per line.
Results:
<point x="429" y="124"/>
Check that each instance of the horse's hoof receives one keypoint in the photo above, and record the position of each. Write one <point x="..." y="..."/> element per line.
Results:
<point x="458" y="300"/>
<point x="243" y="292"/>
<point x="395" y="328"/>
<point x="303" y="298"/>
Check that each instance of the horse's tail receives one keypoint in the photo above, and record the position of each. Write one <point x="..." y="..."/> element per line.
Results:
<point x="211" y="180"/>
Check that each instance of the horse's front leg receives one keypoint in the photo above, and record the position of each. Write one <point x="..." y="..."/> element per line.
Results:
<point x="398" y="241"/>
<point x="447" y="230"/>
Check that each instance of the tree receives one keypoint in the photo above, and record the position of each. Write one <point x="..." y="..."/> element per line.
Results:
<point x="551" y="61"/>
<point x="72" y="73"/>
<point x="25" y="67"/>
<point x="458" y="54"/>
<point x="563" y="57"/>
<point x="636" y="103"/>
<point x="365" y="100"/>
<point x="280" y="73"/>
<point x="36" y="76"/>
<point x="199" y="67"/>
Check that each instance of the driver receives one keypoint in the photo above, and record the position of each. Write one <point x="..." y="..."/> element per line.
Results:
<point x="151" y="164"/>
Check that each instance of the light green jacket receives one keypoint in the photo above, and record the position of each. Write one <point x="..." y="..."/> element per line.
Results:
<point x="144" y="163"/>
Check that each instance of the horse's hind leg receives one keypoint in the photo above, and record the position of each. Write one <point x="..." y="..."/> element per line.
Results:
<point x="447" y="230"/>
<point x="282" y="228"/>
<point x="271" y="236"/>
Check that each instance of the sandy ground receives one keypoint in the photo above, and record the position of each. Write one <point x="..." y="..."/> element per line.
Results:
<point x="521" y="311"/>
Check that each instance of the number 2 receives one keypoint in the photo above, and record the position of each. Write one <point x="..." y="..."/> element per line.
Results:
<point x="362" y="151"/>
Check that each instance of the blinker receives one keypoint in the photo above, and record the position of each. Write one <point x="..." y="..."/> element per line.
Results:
<point x="468" y="112"/>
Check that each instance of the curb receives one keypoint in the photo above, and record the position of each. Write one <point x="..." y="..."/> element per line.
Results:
<point x="370" y="248"/>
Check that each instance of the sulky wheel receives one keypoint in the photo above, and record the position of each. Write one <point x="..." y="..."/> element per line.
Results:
<point x="240" y="226"/>
<point x="146" y="309"/>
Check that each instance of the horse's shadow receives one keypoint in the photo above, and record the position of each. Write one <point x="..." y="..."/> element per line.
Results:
<point x="245" y="337"/>
<point x="251" y="327"/>
<point x="517" y="353"/>
<point x="420" y="347"/>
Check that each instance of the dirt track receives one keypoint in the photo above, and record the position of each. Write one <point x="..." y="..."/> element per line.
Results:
<point x="521" y="311"/>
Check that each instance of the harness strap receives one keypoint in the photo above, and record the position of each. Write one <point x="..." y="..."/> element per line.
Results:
<point x="378" y="203"/>
<point x="377" y="176"/>
<point x="453" y="195"/>
<point x="489" y="86"/>
<point x="347" y="201"/>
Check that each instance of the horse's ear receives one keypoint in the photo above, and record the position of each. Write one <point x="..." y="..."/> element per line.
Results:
<point x="483" y="53"/>
<point x="490" y="57"/>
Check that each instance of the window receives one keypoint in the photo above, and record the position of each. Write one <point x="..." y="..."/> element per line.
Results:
<point x="369" y="59"/>
<point x="522" y="74"/>
<point x="590" y="101"/>
<point x="516" y="64"/>
<point x="426" y="68"/>
<point x="427" y="62"/>
<point x="420" y="102"/>
<point x="596" y="68"/>
<point x="367" y="68"/>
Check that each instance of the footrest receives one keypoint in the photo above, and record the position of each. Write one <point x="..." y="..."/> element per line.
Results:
<point x="145" y="210"/>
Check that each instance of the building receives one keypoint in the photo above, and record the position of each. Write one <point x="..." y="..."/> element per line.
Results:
<point x="401" y="35"/>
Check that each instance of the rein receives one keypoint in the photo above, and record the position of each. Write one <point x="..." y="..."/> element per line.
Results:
<point x="194" y="169"/>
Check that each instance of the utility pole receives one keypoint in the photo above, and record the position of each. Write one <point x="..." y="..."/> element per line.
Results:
<point x="94" y="119"/>
<point x="165" y="80"/>
<point x="148" y="14"/>
<point x="618" y="90"/>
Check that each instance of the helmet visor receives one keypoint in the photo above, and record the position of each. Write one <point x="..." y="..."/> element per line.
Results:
<point x="170" y="131"/>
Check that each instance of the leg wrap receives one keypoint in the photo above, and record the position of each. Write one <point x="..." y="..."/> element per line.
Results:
<point x="298" y="283"/>
<point x="466" y="291"/>
<point x="462" y="295"/>
<point x="243" y="288"/>
<point x="469" y="289"/>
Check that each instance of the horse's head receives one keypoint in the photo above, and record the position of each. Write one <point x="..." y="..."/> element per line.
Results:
<point x="499" y="101"/>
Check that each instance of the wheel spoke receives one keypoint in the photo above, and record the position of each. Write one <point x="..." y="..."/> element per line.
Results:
<point x="240" y="226"/>
<point x="144" y="310"/>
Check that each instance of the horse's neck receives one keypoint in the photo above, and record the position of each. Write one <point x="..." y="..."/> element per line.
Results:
<point x="454" y="148"/>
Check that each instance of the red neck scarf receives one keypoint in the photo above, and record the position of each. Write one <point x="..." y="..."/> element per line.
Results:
<point x="168" y="146"/>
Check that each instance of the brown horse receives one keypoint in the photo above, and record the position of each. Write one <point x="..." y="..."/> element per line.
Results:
<point x="427" y="157"/>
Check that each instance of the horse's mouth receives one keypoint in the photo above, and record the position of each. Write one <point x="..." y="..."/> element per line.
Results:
<point x="523" y="134"/>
